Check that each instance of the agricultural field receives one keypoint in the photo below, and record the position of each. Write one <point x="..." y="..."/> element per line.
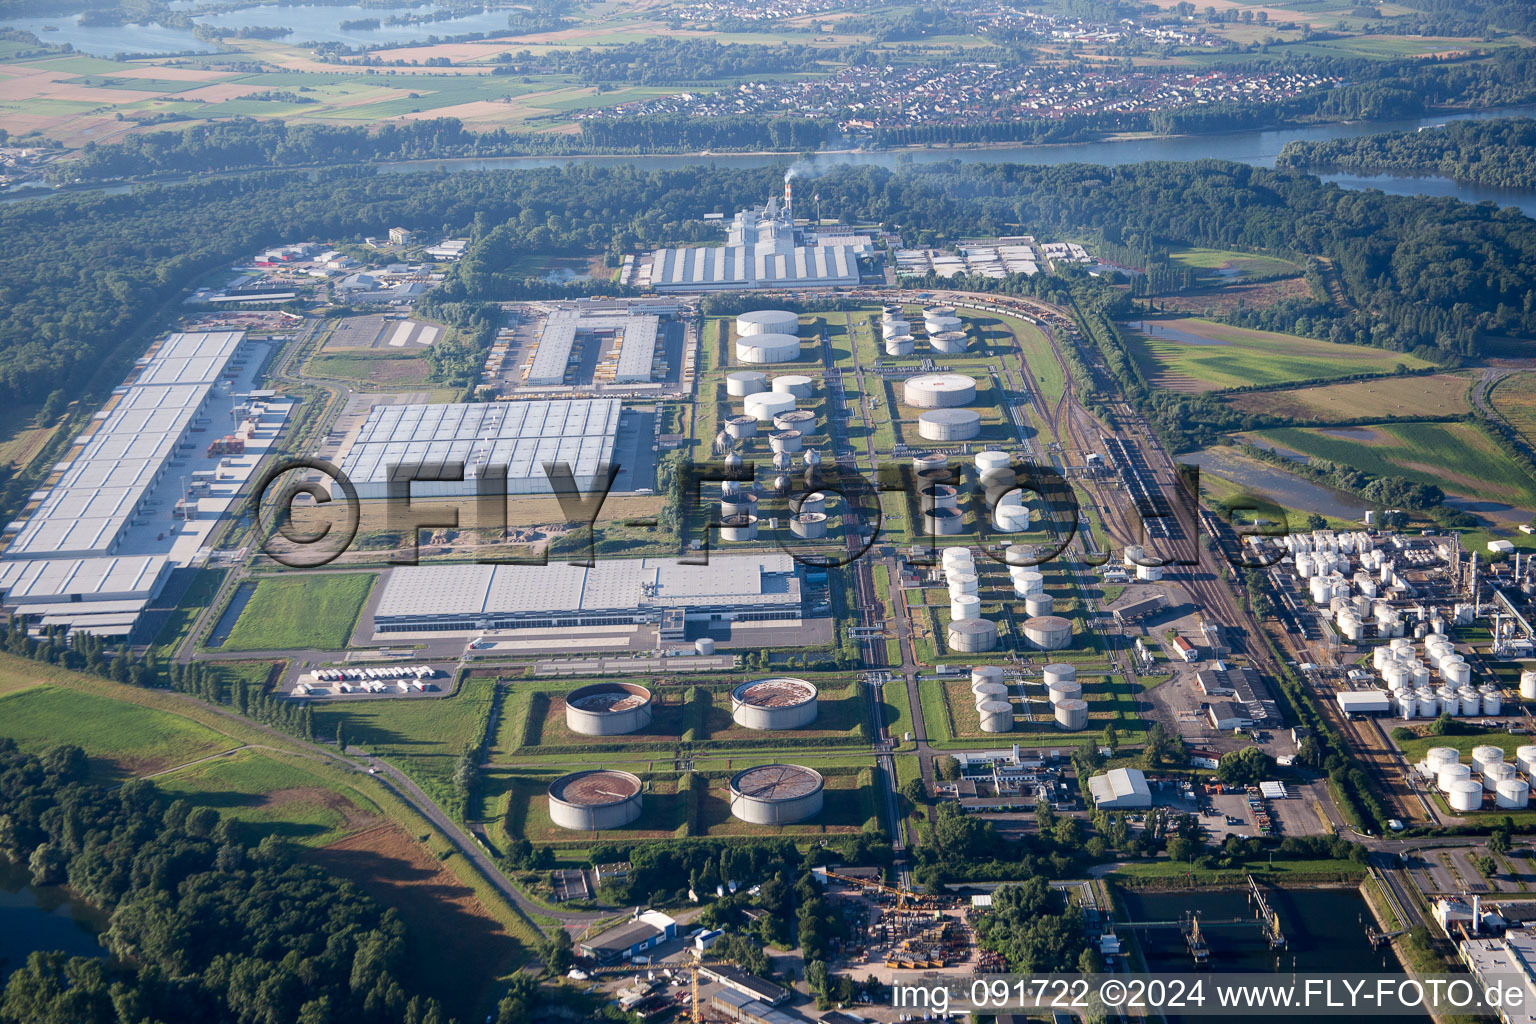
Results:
<point x="1226" y="266"/>
<point x="1440" y="394"/>
<point x="371" y="370"/>
<point x="1515" y="399"/>
<point x="1457" y="457"/>
<point x="315" y="611"/>
<point x="1193" y="355"/>
<point x="122" y="740"/>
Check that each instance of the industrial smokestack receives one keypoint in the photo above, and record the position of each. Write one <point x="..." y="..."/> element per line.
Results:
<point x="789" y="195"/>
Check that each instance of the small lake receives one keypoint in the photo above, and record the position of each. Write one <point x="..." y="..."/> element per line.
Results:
<point x="1276" y="484"/>
<point x="1159" y="331"/>
<point x="309" y="23"/>
<point x="42" y="918"/>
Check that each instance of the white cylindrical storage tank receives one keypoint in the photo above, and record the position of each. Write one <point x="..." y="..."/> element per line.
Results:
<point x="901" y="345"/>
<point x="1010" y="518"/>
<point x="957" y="558"/>
<point x="787" y="441"/>
<point x="1513" y="795"/>
<point x="742" y="503"/>
<point x="938" y="496"/>
<point x="1036" y="605"/>
<point x="1439" y="757"/>
<point x="1064" y="689"/>
<point x="745" y="382"/>
<point x="738" y="528"/>
<point x="1134" y="553"/>
<point x="1420" y="676"/>
<point x="1320" y="589"/>
<point x="608" y="709"/>
<point x="1305" y="567"/>
<point x="1450" y="704"/>
<point x="1455" y="673"/>
<point x="1465" y="796"/>
<point x="939" y="322"/>
<point x="815" y="502"/>
<point x="943" y="522"/>
<point x="963" y="582"/>
<point x="1407" y="705"/>
<point x="1072" y="715"/>
<point x="1525" y="757"/>
<point x="1396" y="675"/>
<point x="1486" y="755"/>
<point x="990" y="460"/>
<point x="767" y="321"/>
<point x="972" y="636"/>
<point x="966" y="606"/>
<point x="590" y="801"/>
<point x="1492" y="701"/>
<point x="895" y="328"/>
<point x="1380" y="657"/>
<point x="776" y="794"/>
<point x="1059" y="672"/>
<point x="765" y="405"/>
<point x="1450" y="774"/>
<point x="984" y="692"/>
<point x="780" y="702"/>
<point x="938" y="390"/>
<point x="1149" y="573"/>
<point x="1495" y="774"/>
<point x="986" y="674"/>
<point x="1352" y="629"/>
<point x="768" y="348"/>
<point x="794" y="384"/>
<point x="1030" y="580"/>
<point x="741" y="427"/>
<point x="802" y="420"/>
<point x="809" y="525"/>
<point x="1048" y="632"/>
<point x="996" y="716"/>
<point x="950" y="342"/>
<point x="1471" y="700"/>
<point x="949" y="425"/>
<point x="704" y="645"/>
<point x="1528" y="684"/>
<point x="1429" y="704"/>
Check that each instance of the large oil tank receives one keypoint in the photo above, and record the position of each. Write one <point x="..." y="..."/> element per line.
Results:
<point x="1485" y="755"/>
<point x="745" y="382"/>
<point x="1451" y="774"/>
<point x="964" y="606"/>
<point x="938" y="390"/>
<point x="780" y="702"/>
<point x="776" y="794"/>
<point x="1149" y="573"/>
<point x="927" y="462"/>
<point x="1064" y="689"/>
<point x="809" y="525"/>
<point x="767" y="321"/>
<point x="1039" y="605"/>
<point x="704" y="645"/>
<point x="1465" y="796"/>
<point x="1438" y="757"/>
<point x="742" y="503"/>
<point x="765" y="405"/>
<point x="901" y="345"/>
<point x="986" y="674"/>
<point x="589" y="801"/>
<point x="1072" y="715"/>
<point x="1048" y="632"/>
<point x="786" y="441"/>
<point x="957" y="558"/>
<point x="938" y="496"/>
<point x="608" y="709"/>
<point x="949" y="425"/>
<point x="1495" y="774"/>
<point x="1011" y="518"/>
<point x="963" y="583"/>
<point x="1528" y="684"/>
<point x="981" y="693"/>
<point x="1513" y="795"/>
<point x="1060" y="672"/>
<point x="738" y="528"/>
<point x="794" y="384"/>
<point x="950" y="342"/>
<point x="991" y="460"/>
<point x="1027" y="581"/>
<point x="768" y="348"/>
<point x="943" y="522"/>
<point x="741" y="427"/>
<point x="996" y="716"/>
<point x="972" y="636"/>
<point x="894" y="327"/>
<point x="1525" y="757"/>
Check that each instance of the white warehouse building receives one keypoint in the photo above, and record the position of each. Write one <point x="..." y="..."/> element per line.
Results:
<point x="763" y="249"/>
<point x="400" y="441"/>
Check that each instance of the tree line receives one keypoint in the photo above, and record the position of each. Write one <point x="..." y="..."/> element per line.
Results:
<point x="1499" y="152"/>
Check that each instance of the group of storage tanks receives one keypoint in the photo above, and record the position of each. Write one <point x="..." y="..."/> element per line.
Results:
<point x="940" y="499"/>
<point x="1442" y="766"/>
<point x="739" y="502"/>
<point x="1411" y="679"/>
<point x="776" y="794"/>
<point x="946" y="334"/>
<point x="1061" y="686"/>
<point x="969" y="633"/>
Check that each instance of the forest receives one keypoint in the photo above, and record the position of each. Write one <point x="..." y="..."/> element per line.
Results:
<point x="1498" y="152"/>
<point x="202" y="926"/>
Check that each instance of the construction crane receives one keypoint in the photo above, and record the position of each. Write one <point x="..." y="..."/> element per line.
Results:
<point x="903" y="896"/>
<point x="693" y="967"/>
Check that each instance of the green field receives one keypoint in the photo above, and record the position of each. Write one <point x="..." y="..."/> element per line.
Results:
<point x="1228" y="265"/>
<point x="121" y="739"/>
<point x="1457" y="457"/>
<point x="313" y="611"/>
<point x="1189" y="354"/>
<point x="377" y="370"/>
<point x="273" y="795"/>
<point x="1515" y="399"/>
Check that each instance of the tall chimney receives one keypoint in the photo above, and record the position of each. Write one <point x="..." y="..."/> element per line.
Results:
<point x="789" y="197"/>
<point x="1477" y="913"/>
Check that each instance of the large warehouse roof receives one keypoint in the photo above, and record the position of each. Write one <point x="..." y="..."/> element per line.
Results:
<point x="59" y="580"/>
<point x="134" y="438"/>
<point x="521" y="436"/>
<point x="736" y="266"/>
<point x="637" y="344"/>
<point x="1120" y="787"/>
<point x="426" y="591"/>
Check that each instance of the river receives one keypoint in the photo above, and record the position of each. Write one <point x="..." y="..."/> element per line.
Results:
<point x="48" y="917"/>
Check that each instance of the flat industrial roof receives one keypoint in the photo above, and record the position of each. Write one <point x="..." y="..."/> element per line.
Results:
<point x="738" y="266"/>
<point x="101" y="579"/>
<point x="521" y="436"/>
<point x="624" y="584"/>
<point x="103" y="483"/>
<point x="637" y="345"/>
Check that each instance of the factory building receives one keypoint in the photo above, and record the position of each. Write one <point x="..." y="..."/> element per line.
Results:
<point x="633" y="332"/>
<point x="763" y="249"/>
<point x="1119" y="789"/>
<point x="401" y="441"/>
<point x="618" y="592"/>
<point x="646" y="930"/>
